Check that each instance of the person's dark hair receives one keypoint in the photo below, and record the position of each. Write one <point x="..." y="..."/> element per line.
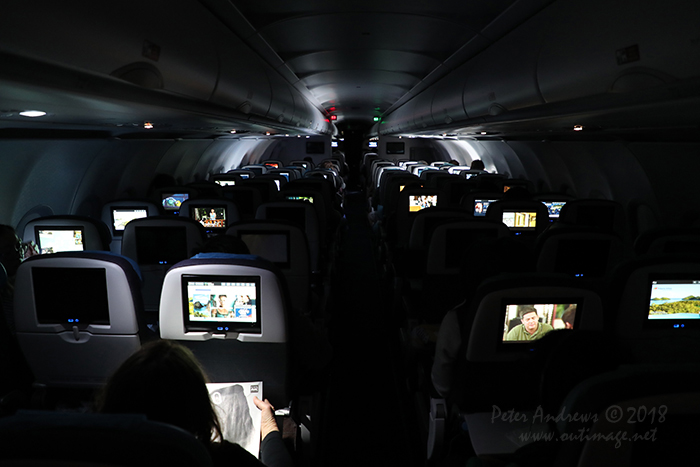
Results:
<point x="477" y="164"/>
<point x="569" y="315"/>
<point x="10" y="249"/>
<point x="525" y="309"/>
<point x="164" y="381"/>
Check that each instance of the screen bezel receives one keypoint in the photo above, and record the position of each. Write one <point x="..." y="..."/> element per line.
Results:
<point x="220" y="326"/>
<point x="522" y="345"/>
<point x="74" y="228"/>
<point x="669" y="324"/>
<point x="116" y="231"/>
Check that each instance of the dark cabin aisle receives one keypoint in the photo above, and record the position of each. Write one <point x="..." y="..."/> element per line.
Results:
<point x="369" y="416"/>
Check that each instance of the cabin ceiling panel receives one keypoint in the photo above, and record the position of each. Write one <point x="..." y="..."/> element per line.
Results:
<point x="412" y="63"/>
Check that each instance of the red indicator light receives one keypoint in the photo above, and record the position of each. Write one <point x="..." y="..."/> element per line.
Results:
<point x="334" y="117"/>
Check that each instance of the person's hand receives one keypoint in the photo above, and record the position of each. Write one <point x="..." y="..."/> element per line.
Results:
<point x="268" y="421"/>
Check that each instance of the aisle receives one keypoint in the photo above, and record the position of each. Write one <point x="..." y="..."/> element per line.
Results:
<point x="369" y="418"/>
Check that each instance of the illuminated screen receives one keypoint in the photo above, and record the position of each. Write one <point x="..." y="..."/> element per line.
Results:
<point x="372" y="144"/>
<point x="271" y="245"/>
<point x="227" y="182"/>
<point x="285" y="175"/>
<point x="554" y="208"/>
<point x="273" y="165"/>
<point x="418" y="202"/>
<point x="172" y="201"/>
<point x="520" y="220"/>
<point x="525" y="322"/>
<point x="70" y="296"/>
<point x="122" y="215"/>
<point x="674" y="303"/>
<point x="481" y="206"/>
<point x="211" y="217"/>
<point x="221" y="304"/>
<point x="57" y="239"/>
<point x="308" y="199"/>
<point x="244" y="176"/>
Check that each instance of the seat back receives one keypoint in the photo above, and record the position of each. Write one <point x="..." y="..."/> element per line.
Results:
<point x="118" y="213"/>
<point x="498" y="301"/>
<point x="603" y="214"/>
<point x="285" y="245"/>
<point x="579" y="252"/>
<point x="77" y="315"/>
<point x="497" y="350"/>
<point x="411" y="201"/>
<point x="55" y="439"/>
<point x="526" y="219"/>
<point x="58" y="233"/>
<point x="247" y="198"/>
<point x="668" y="241"/>
<point x="156" y="244"/>
<point x="656" y="308"/>
<point x="303" y="215"/>
<point x="242" y="340"/>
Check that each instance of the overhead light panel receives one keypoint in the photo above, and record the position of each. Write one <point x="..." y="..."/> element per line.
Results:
<point x="32" y="113"/>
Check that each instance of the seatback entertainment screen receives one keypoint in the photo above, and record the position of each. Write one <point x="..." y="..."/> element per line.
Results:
<point x="221" y="304"/>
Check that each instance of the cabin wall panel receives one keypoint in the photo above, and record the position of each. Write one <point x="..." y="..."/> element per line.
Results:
<point x="577" y="61"/>
<point x="85" y="36"/>
<point x="672" y="170"/>
<point x="504" y="76"/>
<point x="43" y="172"/>
<point x="182" y="158"/>
<point x="141" y="160"/>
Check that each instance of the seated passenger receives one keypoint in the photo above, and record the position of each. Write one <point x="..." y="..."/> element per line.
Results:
<point x="165" y="382"/>
<point x="12" y="253"/>
<point x="530" y="328"/>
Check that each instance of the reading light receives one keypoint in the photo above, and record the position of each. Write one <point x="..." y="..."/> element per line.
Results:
<point x="32" y="113"/>
<point x="233" y="132"/>
<point x="148" y="125"/>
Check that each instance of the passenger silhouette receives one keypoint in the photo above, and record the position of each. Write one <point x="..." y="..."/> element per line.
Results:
<point x="165" y="382"/>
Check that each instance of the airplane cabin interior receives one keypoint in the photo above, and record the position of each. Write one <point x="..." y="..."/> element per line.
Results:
<point x="428" y="233"/>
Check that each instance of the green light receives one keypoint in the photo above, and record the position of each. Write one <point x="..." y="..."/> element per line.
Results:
<point x="376" y="119"/>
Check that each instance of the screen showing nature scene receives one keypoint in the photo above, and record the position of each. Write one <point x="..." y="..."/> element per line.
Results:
<point x="675" y="299"/>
